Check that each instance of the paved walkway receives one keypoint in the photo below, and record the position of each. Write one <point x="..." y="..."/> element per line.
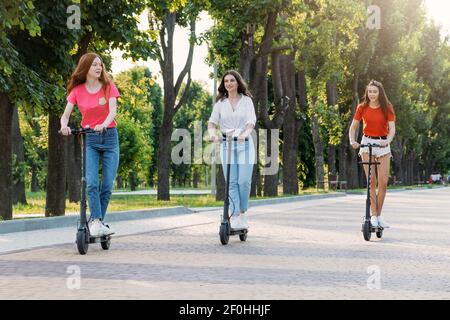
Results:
<point x="303" y="250"/>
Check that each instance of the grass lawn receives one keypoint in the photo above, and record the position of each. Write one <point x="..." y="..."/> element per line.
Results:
<point x="36" y="202"/>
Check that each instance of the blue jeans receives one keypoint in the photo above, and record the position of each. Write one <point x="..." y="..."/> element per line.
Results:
<point x="101" y="146"/>
<point x="241" y="168"/>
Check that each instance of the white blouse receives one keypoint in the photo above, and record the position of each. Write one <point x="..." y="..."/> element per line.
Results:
<point x="231" y="120"/>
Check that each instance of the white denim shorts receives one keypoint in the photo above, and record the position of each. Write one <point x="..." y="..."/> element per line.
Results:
<point x="376" y="151"/>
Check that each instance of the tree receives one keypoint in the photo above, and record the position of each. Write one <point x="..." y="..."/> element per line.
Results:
<point x="163" y="17"/>
<point x="17" y="83"/>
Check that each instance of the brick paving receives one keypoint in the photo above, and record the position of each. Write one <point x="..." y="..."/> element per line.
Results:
<point x="302" y="250"/>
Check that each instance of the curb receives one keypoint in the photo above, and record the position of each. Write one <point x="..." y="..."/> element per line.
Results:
<point x="401" y="190"/>
<point x="261" y="202"/>
<point x="21" y="225"/>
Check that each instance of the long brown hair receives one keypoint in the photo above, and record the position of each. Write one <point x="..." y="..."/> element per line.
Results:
<point x="242" y="86"/>
<point x="82" y="69"/>
<point x="385" y="104"/>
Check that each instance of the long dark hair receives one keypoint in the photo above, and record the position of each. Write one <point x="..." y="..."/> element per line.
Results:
<point x="242" y="86"/>
<point x="82" y="69"/>
<point x="382" y="97"/>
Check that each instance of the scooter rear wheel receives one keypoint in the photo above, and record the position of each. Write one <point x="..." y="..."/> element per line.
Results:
<point x="224" y="233"/>
<point x="243" y="236"/>
<point x="105" y="243"/>
<point x="379" y="234"/>
<point x="82" y="242"/>
<point x="366" y="231"/>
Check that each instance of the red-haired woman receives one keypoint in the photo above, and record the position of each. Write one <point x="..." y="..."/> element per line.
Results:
<point x="91" y="89"/>
<point x="378" y="118"/>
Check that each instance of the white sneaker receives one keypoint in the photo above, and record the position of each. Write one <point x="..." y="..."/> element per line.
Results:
<point x="374" y="221"/>
<point x="382" y="223"/>
<point x="94" y="228"/>
<point x="104" y="230"/>
<point x="244" y="220"/>
<point x="235" y="222"/>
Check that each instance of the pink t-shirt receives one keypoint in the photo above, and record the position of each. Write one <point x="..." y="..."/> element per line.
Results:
<point x="94" y="107"/>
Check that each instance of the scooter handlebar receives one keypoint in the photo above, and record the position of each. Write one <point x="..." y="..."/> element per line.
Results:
<point x="224" y="138"/>
<point x="370" y="145"/>
<point x="81" y="131"/>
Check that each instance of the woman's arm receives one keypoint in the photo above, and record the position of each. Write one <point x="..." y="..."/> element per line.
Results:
<point x="351" y="134"/>
<point x="65" y="130"/>
<point x="212" y="132"/>
<point x="247" y="131"/>
<point x="111" y="115"/>
<point x="391" y="134"/>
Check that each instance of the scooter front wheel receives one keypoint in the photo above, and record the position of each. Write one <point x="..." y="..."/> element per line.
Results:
<point x="366" y="231"/>
<point x="82" y="242"/>
<point x="224" y="233"/>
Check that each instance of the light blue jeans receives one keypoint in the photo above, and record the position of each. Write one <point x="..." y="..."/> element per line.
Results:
<point x="241" y="168"/>
<point x="101" y="146"/>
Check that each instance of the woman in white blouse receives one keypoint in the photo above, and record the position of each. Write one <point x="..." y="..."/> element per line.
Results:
<point x="235" y="114"/>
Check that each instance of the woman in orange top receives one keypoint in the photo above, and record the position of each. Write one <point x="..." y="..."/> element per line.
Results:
<point x="378" y="118"/>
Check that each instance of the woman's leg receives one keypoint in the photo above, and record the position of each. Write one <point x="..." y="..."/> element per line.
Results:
<point x="233" y="190"/>
<point x="245" y="170"/>
<point x="110" y="148"/>
<point x="373" y="183"/>
<point x="110" y="165"/>
<point x="92" y="163"/>
<point x="383" y="176"/>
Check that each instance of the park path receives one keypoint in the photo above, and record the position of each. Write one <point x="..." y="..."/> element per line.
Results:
<point x="301" y="250"/>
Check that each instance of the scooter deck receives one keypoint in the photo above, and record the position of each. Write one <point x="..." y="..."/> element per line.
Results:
<point x="238" y="231"/>
<point x="99" y="238"/>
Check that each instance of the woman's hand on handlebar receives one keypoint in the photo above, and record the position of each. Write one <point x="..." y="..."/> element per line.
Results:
<point x="383" y="143"/>
<point x="213" y="138"/>
<point x="241" y="138"/>
<point x="100" y="128"/>
<point x="354" y="144"/>
<point x="65" y="131"/>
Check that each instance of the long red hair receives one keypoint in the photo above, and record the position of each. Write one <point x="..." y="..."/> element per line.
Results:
<point x="385" y="104"/>
<point x="79" y="74"/>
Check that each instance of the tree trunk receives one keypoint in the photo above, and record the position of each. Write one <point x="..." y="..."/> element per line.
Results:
<point x="74" y="150"/>
<point x="349" y="169"/>
<point x="220" y="184"/>
<point x="171" y="92"/>
<point x="318" y="149"/>
<point x="56" y="177"/>
<point x="6" y="118"/>
<point x="34" y="179"/>
<point x="18" y="192"/>
<point x="196" y="177"/>
<point x="397" y="149"/>
<point x="164" y="159"/>
<point x="332" y="99"/>
<point x="132" y="180"/>
<point x="119" y="182"/>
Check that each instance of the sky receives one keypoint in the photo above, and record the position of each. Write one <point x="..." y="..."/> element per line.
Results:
<point x="438" y="10"/>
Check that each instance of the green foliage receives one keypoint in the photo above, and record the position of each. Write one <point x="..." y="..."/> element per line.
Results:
<point x="140" y="104"/>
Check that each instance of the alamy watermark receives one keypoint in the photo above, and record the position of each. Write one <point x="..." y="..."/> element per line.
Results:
<point x="74" y="18"/>
<point x="374" y="280"/>
<point x="206" y="152"/>
<point x="74" y="280"/>
<point x="374" y="19"/>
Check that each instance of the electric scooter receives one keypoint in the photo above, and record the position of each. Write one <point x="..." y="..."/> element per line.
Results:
<point x="83" y="237"/>
<point x="367" y="227"/>
<point x="226" y="230"/>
